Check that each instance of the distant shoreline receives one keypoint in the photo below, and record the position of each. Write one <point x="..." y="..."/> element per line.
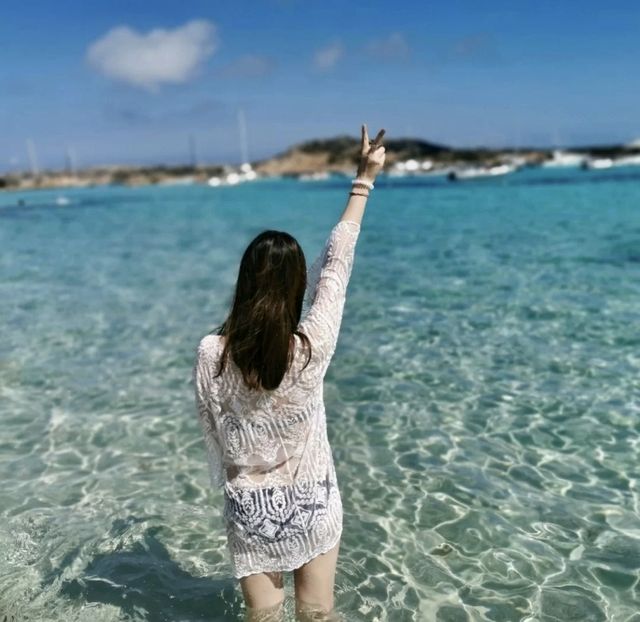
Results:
<point x="332" y="155"/>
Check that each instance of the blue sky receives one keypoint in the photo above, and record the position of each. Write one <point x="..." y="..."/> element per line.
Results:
<point x="95" y="75"/>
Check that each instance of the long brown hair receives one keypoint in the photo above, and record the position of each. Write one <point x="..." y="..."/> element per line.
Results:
<point x="266" y="310"/>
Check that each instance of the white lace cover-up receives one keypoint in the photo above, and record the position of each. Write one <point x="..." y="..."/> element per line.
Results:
<point x="269" y="450"/>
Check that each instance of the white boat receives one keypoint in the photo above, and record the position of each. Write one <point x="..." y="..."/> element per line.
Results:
<point x="481" y="172"/>
<point x="564" y="159"/>
<point x="233" y="177"/>
<point x="227" y="179"/>
<point x="410" y="167"/>
<point x="598" y="163"/>
<point x="245" y="171"/>
<point x="631" y="160"/>
<point x="605" y="163"/>
<point x="319" y="176"/>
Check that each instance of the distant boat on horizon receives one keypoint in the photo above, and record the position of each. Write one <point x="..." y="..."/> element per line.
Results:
<point x="597" y="163"/>
<point x="604" y="163"/>
<point x="632" y="160"/>
<point x="562" y="159"/>
<point x="318" y="176"/>
<point x="245" y="172"/>
<point x="411" y="167"/>
<point x="481" y="172"/>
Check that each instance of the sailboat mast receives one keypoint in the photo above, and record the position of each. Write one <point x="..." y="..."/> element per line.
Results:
<point x="33" y="157"/>
<point x="242" y="129"/>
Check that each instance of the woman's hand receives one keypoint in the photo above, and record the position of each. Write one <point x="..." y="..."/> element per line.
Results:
<point x="371" y="155"/>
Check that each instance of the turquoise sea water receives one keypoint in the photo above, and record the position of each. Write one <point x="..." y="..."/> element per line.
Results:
<point x="483" y="403"/>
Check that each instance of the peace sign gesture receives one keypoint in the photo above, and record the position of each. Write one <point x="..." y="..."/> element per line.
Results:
<point x="371" y="155"/>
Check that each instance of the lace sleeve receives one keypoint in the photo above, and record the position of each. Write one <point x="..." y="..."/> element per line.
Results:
<point x="322" y="322"/>
<point x="208" y="410"/>
<point x="313" y="276"/>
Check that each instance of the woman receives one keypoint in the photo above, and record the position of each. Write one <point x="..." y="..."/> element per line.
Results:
<point x="260" y="402"/>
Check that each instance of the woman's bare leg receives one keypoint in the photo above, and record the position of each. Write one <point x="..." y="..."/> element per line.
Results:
<point x="314" y="583"/>
<point x="264" y="596"/>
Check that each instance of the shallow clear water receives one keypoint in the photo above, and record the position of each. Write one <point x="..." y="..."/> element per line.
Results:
<point x="483" y="402"/>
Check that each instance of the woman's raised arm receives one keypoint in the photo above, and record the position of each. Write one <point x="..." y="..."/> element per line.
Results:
<point x="322" y="323"/>
<point x="372" y="155"/>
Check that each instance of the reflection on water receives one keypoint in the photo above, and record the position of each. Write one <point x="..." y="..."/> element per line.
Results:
<point x="482" y="406"/>
<point x="292" y="608"/>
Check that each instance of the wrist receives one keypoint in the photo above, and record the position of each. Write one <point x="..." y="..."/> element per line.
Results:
<point x="368" y="178"/>
<point x="359" y="191"/>
<point x="360" y="182"/>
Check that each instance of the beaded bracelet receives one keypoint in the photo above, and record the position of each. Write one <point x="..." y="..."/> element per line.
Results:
<point x="362" y="182"/>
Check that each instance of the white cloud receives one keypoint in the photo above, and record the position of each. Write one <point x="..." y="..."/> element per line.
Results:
<point x="326" y="58"/>
<point x="157" y="57"/>
<point x="392" y="47"/>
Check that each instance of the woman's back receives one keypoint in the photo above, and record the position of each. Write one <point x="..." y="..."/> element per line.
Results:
<point x="264" y="434"/>
<point x="269" y="449"/>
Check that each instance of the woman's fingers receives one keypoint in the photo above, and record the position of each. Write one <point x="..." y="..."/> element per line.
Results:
<point x="377" y="141"/>
<point x="365" y="138"/>
<point x="373" y="153"/>
<point x="371" y="144"/>
<point x="374" y="144"/>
